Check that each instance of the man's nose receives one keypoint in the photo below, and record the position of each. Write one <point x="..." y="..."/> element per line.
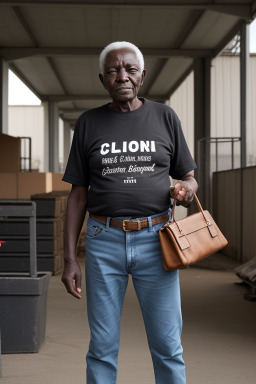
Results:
<point x="122" y="75"/>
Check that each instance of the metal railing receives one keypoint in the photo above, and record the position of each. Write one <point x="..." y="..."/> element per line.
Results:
<point x="209" y="164"/>
<point x="217" y="141"/>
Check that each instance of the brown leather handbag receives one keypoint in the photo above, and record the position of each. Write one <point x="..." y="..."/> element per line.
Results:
<point x="186" y="241"/>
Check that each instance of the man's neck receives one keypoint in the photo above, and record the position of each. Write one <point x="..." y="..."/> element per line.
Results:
<point x="126" y="106"/>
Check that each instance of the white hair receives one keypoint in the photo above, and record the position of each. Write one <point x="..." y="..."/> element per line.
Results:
<point x="120" y="45"/>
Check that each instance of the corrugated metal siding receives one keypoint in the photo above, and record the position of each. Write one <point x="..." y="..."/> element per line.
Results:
<point x="248" y="213"/>
<point x="29" y="121"/>
<point x="225" y="96"/>
<point x="226" y="209"/>
<point x="235" y="211"/>
<point x="251" y="142"/>
<point x="225" y="107"/>
<point x="182" y="101"/>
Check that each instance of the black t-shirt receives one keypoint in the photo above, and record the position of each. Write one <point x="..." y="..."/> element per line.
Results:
<point x="126" y="159"/>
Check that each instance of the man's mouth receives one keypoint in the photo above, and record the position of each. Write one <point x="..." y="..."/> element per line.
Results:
<point x="123" y="89"/>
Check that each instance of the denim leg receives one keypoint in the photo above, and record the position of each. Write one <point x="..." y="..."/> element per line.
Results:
<point x="106" y="282"/>
<point x="110" y="255"/>
<point x="158" y="293"/>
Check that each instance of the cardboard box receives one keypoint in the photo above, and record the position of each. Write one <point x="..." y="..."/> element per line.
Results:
<point x="8" y="185"/>
<point x="22" y="185"/>
<point x="30" y="183"/>
<point x="9" y="153"/>
<point x="58" y="184"/>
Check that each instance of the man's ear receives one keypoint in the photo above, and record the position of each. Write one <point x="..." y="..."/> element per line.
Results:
<point x="101" y="79"/>
<point x="143" y="76"/>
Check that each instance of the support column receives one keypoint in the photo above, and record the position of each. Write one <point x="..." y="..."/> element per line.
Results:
<point x="53" y="129"/>
<point x="3" y="97"/>
<point x="46" y="138"/>
<point x="244" y="69"/>
<point x="67" y="142"/>
<point x="202" y="117"/>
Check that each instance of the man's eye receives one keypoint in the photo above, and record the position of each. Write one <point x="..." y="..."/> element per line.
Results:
<point x="133" y="70"/>
<point x="113" y="71"/>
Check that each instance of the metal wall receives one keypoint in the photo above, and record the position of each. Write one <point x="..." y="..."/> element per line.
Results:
<point x="235" y="210"/>
<point x="29" y="121"/>
<point x="182" y="101"/>
<point x="225" y="107"/>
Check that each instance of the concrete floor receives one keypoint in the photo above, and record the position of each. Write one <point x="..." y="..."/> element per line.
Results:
<point x="219" y="336"/>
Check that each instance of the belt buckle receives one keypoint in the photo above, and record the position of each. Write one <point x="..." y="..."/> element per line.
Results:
<point x="135" y="221"/>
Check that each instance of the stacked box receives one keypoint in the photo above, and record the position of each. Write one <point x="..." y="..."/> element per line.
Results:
<point x="14" y="255"/>
<point x="51" y="210"/>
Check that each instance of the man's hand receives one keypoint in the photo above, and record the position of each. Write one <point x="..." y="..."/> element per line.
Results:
<point x="184" y="189"/>
<point x="75" y="213"/>
<point x="71" y="278"/>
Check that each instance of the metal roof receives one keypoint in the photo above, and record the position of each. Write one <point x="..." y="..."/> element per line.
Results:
<point x="53" y="46"/>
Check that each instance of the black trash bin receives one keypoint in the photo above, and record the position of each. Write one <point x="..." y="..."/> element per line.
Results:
<point x="23" y="296"/>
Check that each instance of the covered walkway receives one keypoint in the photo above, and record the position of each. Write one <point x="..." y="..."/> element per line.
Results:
<point x="218" y="336"/>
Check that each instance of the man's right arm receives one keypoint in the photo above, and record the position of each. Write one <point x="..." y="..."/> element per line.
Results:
<point x="75" y="214"/>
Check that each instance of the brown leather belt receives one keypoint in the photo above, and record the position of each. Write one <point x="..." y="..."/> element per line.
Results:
<point x="129" y="225"/>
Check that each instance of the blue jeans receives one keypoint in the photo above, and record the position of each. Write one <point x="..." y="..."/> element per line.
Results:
<point x="111" y="255"/>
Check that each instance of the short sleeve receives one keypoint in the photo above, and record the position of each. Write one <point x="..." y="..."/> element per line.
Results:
<point x="181" y="161"/>
<point x="77" y="169"/>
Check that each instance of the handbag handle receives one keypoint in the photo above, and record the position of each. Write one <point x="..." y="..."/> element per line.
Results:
<point x="199" y="207"/>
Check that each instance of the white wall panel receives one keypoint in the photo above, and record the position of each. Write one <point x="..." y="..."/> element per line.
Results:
<point x="251" y="142"/>
<point x="29" y="121"/>
<point x="225" y="104"/>
<point x="182" y="101"/>
<point x="225" y="96"/>
<point x="225" y="109"/>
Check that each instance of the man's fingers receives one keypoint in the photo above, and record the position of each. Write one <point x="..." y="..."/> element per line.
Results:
<point x="178" y="192"/>
<point x="71" y="278"/>
<point x="175" y="190"/>
<point x="183" y="193"/>
<point x="78" y="283"/>
<point x="71" y="288"/>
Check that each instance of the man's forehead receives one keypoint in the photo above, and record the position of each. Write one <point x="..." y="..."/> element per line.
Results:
<point x="123" y="54"/>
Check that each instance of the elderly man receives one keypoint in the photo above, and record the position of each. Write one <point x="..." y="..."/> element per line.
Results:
<point x="119" y="166"/>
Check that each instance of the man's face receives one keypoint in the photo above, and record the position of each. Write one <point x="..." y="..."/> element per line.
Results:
<point x="122" y="75"/>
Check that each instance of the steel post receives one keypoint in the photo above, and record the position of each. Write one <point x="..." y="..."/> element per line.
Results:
<point x="244" y="67"/>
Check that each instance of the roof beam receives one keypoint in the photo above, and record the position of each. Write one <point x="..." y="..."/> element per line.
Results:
<point x="179" y="81"/>
<point x="25" y="25"/>
<point x="241" y="10"/>
<point x="83" y="97"/>
<point x="67" y="119"/>
<point x="253" y="9"/>
<point x="188" y="30"/>
<point x="56" y="73"/>
<point x="11" y="53"/>
<point x="103" y="98"/>
<point x="72" y="110"/>
<point x="32" y="37"/>
<point x="227" y="38"/>
<point x="21" y="76"/>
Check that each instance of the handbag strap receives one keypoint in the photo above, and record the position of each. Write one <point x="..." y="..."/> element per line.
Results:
<point x="198" y="204"/>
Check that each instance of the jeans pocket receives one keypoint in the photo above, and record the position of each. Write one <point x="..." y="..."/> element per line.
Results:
<point x="94" y="229"/>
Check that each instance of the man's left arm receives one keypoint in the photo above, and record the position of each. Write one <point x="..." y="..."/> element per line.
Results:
<point x="184" y="189"/>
